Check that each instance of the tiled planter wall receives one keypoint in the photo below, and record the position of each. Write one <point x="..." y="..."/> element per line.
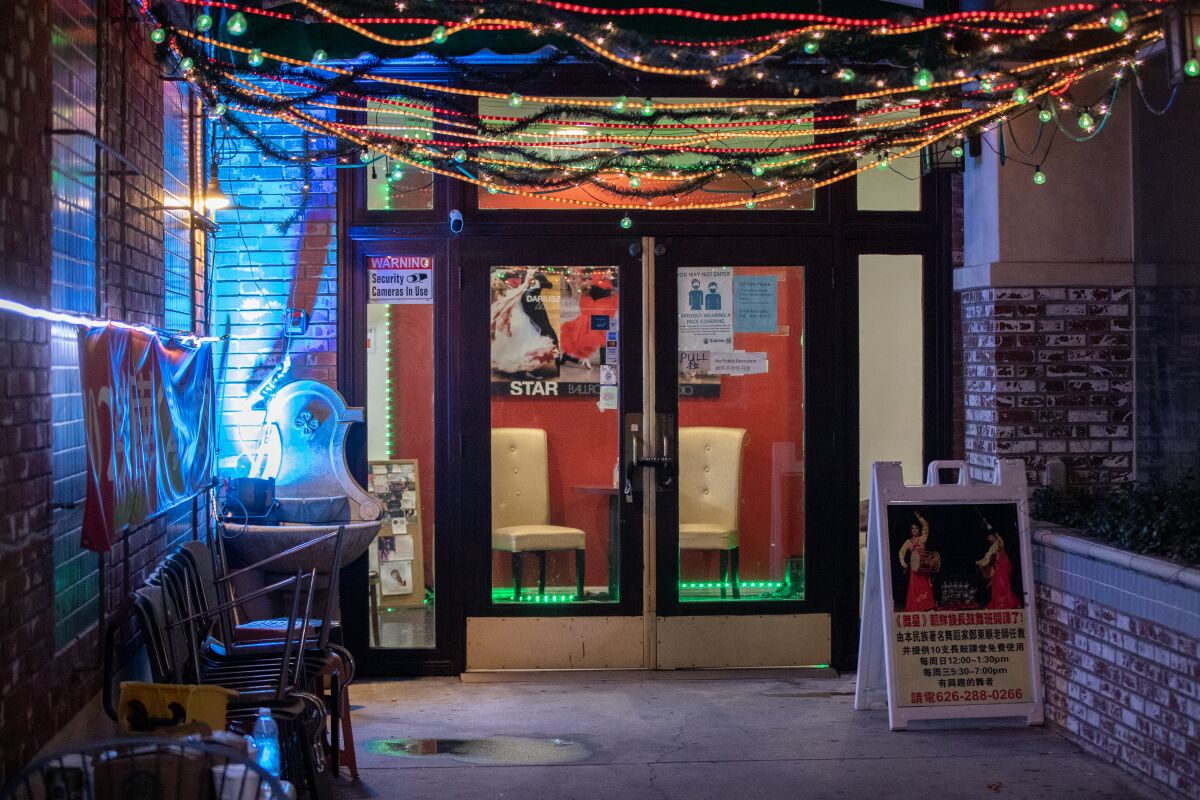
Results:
<point x="1120" y="637"/>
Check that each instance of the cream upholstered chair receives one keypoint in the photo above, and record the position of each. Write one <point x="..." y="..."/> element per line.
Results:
<point x="710" y="487"/>
<point x="521" y="505"/>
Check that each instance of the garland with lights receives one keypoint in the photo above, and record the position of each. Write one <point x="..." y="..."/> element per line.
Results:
<point x="833" y="95"/>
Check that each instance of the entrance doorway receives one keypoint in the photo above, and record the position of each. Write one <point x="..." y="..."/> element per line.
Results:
<point x="552" y="413"/>
<point x="647" y="452"/>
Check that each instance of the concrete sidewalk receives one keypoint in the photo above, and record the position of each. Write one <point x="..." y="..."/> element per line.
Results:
<point x="693" y="738"/>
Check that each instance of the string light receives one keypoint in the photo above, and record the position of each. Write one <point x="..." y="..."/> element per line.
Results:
<point x="14" y="307"/>
<point x="566" y="157"/>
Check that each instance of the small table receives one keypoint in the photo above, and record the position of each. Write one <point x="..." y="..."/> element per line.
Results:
<point x="614" y="530"/>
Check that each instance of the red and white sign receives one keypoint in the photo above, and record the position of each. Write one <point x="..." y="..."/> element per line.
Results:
<point x="400" y="279"/>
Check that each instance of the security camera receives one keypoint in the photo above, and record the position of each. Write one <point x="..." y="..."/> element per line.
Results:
<point x="456" y="221"/>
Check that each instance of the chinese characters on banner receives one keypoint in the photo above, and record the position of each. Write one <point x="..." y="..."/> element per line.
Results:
<point x="147" y="409"/>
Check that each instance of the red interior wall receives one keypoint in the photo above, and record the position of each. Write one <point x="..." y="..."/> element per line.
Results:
<point x="411" y="341"/>
<point x="583" y="449"/>
<point x="583" y="441"/>
<point x="770" y="406"/>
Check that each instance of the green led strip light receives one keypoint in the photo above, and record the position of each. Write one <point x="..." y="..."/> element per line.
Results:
<point x="728" y="584"/>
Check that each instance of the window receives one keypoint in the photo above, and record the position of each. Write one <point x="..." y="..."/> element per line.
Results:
<point x="564" y="137"/>
<point x="179" y="244"/>
<point x="73" y="288"/>
<point x="741" y="433"/>
<point x="395" y="185"/>
<point x="896" y="187"/>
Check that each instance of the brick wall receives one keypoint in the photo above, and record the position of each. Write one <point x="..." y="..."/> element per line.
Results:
<point x="42" y="686"/>
<point x="1048" y="373"/>
<point x="260" y="270"/>
<point x="1121" y="665"/>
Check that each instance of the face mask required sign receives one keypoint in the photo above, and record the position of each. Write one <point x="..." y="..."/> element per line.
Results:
<point x="400" y="279"/>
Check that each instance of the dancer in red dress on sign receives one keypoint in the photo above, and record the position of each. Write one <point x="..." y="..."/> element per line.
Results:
<point x="579" y="339"/>
<point x="998" y="570"/>
<point x="920" y="586"/>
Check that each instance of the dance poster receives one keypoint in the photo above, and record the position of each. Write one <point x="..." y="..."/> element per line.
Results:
<point x="554" y="332"/>
<point x="961" y="634"/>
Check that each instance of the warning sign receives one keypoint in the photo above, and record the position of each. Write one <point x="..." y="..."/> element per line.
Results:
<point x="400" y="279"/>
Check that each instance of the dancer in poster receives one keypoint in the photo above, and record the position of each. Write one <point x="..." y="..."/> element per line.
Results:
<point x="519" y="346"/>
<point x="920" y="586"/>
<point x="580" y="338"/>
<point x="997" y="570"/>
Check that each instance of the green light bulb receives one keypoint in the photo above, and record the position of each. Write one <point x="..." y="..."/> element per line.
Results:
<point x="882" y="164"/>
<point x="1119" y="21"/>
<point x="460" y="156"/>
<point x="1044" y="115"/>
<point x="757" y="170"/>
<point x="236" y="24"/>
<point x="812" y="46"/>
<point x="186" y="63"/>
<point x="750" y="204"/>
<point x="219" y="110"/>
<point x="957" y="151"/>
<point x="319" y="57"/>
<point x="626" y="222"/>
<point x="1039" y="177"/>
<point x="492" y="190"/>
<point x="619" y="104"/>
<point x="647" y="108"/>
<point x="985" y="85"/>
<point x="1020" y="96"/>
<point x="202" y="22"/>
<point x="255" y="58"/>
<point x="515" y="100"/>
<point x="845" y="74"/>
<point x="923" y="80"/>
<point x="158" y="36"/>
<point x="634" y="182"/>
<point x="1085" y="121"/>
<point x="1191" y="68"/>
<point x="365" y="156"/>
<point x="439" y="34"/>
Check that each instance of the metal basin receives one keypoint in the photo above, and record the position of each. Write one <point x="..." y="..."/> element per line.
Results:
<point x="249" y="544"/>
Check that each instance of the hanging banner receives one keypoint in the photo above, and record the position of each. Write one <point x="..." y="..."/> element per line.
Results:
<point x="948" y="622"/>
<point x="400" y="280"/>
<point x="148" y="414"/>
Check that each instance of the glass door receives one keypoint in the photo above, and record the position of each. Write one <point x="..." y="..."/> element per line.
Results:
<point x="746" y="412"/>
<point x="598" y="536"/>
<point x="552" y="340"/>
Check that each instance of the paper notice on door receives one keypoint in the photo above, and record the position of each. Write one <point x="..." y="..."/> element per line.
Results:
<point x="737" y="363"/>
<point x="608" y="398"/>
<point x="705" y="307"/>
<point x="693" y="362"/>
<point x="608" y="375"/>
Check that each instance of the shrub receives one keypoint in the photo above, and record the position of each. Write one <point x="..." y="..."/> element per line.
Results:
<point x="1154" y="519"/>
